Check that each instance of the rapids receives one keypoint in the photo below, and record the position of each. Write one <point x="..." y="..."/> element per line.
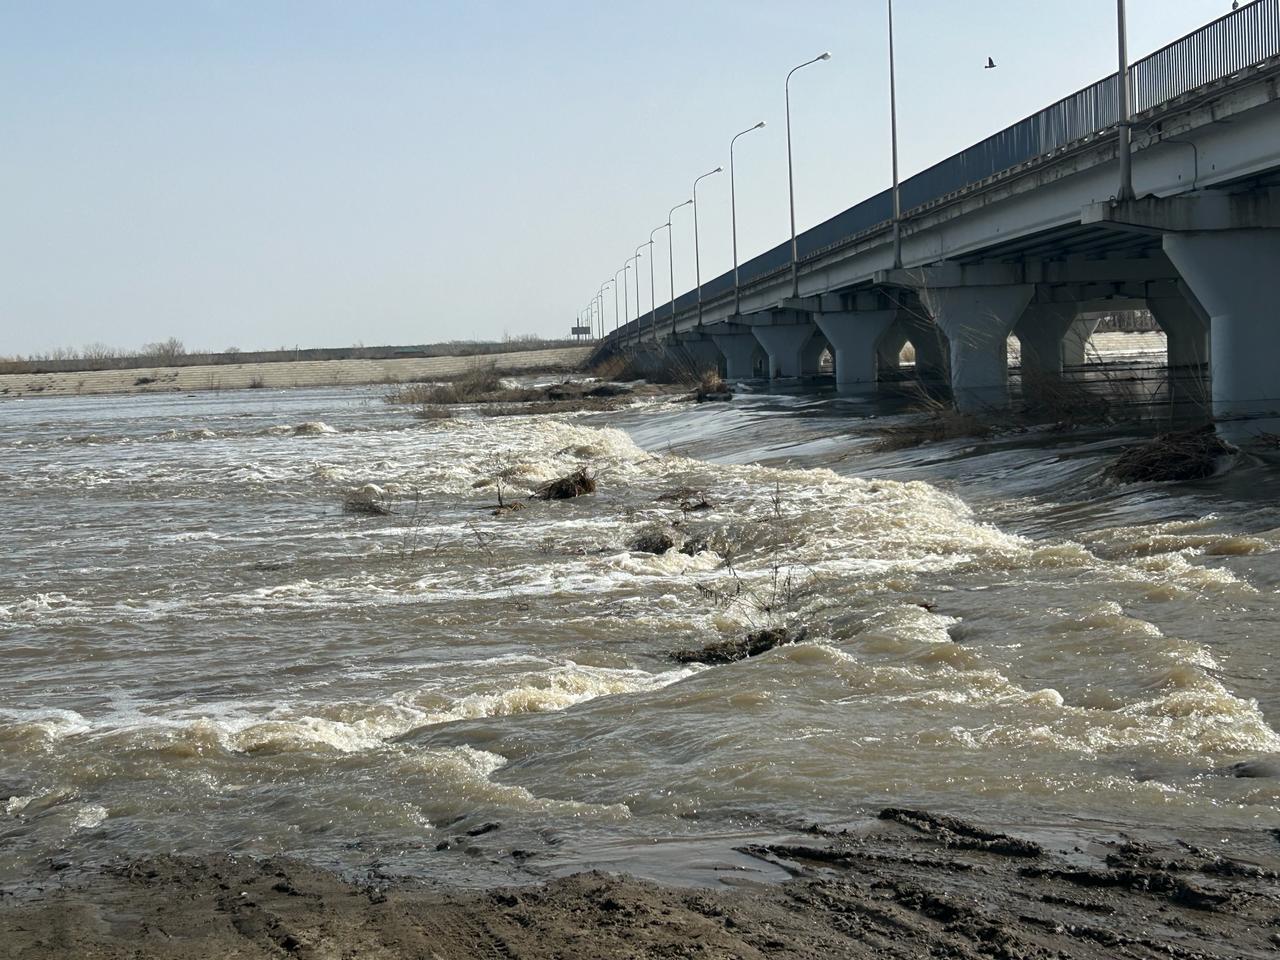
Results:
<point x="203" y="652"/>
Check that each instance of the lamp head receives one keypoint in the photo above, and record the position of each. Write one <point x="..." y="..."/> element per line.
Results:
<point x="718" y="170"/>
<point x="825" y="56"/>
<point x="760" y="125"/>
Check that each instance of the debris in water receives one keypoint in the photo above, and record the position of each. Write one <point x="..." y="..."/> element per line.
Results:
<point x="752" y="645"/>
<point x="653" y="539"/>
<point x="1171" y="457"/>
<point x="369" y="500"/>
<point x="563" y="488"/>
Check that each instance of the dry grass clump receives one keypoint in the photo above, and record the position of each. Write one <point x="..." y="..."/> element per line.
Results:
<point x="433" y="411"/>
<point x="1172" y="457"/>
<point x="471" y="387"/>
<point x="711" y="387"/>
<point x="752" y="645"/>
<point x="576" y="484"/>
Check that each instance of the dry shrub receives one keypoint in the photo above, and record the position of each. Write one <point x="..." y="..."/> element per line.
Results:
<point x="711" y="386"/>
<point x="433" y="411"/>
<point x="752" y="645"/>
<point x="1178" y="456"/>
<point x="563" y="488"/>
<point x="471" y="387"/>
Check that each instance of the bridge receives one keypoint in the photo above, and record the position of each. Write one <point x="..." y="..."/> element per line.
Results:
<point x="1027" y="230"/>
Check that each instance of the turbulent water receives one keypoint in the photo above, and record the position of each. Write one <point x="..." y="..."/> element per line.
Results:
<point x="203" y="652"/>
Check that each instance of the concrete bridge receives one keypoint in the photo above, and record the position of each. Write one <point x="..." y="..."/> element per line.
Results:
<point x="1022" y="233"/>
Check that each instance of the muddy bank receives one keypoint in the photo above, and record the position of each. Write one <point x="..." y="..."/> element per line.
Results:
<point x="909" y="884"/>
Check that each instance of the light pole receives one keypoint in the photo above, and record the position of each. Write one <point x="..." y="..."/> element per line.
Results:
<point x="671" y="259"/>
<point x="638" y="310"/>
<point x="733" y="212"/>
<point x="653" y="300"/>
<point x="893" y="140"/>
<point x="600" y="296"/>
<point x="791" y="184"/>
<point x="1123" y="131"/>
<point x="697" y="262"/>
<point x="625" y="267"/>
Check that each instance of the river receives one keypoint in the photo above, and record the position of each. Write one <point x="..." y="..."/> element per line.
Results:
<point x="203" y="652"/>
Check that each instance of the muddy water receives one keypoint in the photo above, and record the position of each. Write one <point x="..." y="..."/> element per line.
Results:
<point x="202" y="652"/>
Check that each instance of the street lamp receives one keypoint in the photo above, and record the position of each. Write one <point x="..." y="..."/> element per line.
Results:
<point x="600" y="295"/>
<point x="653" y="300"/>
<point x="638" y="310"/>
<point x="625" y="267"/>
<point x="733" y="213"/>
<point x="697" y="262"/>
<point x="893" y="140"/>
<point x="1123" y="130"/>
<point x="671" y="259"/>
<point x="791" y="185"/>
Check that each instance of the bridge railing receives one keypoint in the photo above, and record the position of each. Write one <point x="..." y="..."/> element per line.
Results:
<point x="1230" y="44"/>
<point x="1234" y="42"/>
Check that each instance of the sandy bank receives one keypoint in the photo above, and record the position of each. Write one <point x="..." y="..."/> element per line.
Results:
<point x="906" y="885"/>
<point x="305" y="373"/>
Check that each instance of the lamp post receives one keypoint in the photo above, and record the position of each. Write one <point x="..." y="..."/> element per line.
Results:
<point x="616" y="315"/>
<point x="671" y="259"/>
<point x="893" y="141"/>
<point x="697" y="262"/>
<point x="1123" y="131"/>
<point x="600" y="295"/>
<point x="791" y="184"/>
<point x="733" y="212"/>
<point x="625" y="290"/>
<point x="638" y="311"/>
<point x="653" y="300"/>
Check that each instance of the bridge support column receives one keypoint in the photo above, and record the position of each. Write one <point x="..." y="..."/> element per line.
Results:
<point x="930" y="346"/>
<point x="1042" y="332"/>
<point x="1075" y="345"/>
<point x="1232" y="273"/>
<point x="977" y="321"/>
<point x="1186" y="331"/>
<point x="739" y="348"/>
<point x="703" y="354"/>
<point x="889" y="349"/>
<point x="791" y="348"/>
<point x="855" y="337"/>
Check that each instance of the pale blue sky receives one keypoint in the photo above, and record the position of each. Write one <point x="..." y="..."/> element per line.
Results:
<point x="264" y="172"/>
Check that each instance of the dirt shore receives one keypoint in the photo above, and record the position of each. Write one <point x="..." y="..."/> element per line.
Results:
<point x="907" y="885"/>
<point x="302" y="373"/>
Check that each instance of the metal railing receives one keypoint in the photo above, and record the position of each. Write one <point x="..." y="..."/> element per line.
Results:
<point x="1242" y="38"/>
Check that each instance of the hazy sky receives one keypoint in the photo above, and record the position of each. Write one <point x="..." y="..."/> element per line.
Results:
<point x="261" y="173"/>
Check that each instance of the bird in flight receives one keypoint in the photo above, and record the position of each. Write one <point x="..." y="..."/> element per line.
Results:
<point x="991" y="64"/>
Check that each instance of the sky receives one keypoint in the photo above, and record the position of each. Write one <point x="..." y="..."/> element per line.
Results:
<point x="265" y="173"/>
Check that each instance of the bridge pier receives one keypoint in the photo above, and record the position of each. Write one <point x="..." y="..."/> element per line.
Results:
<point x="1233" y="274"/>
<point x="739" y="347"/>
<point x="1075" y="344"/>
<point x="977" y="320"/>
<point x="889" y="349"/>
<point x="703" y="353"/>
<point x="1042" y="332"/>
<point x="855" y="337"/>
<point x="791" y="344"/>
<point x="1186" y="331"/>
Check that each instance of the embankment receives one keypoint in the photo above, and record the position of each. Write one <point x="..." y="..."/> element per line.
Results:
<point x="304" y="373"/>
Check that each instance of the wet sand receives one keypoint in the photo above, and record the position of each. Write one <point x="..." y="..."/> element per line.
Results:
<point x="908" y="884"/>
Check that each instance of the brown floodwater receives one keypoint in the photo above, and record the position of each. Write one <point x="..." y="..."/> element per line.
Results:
<point x="202" y="652"/>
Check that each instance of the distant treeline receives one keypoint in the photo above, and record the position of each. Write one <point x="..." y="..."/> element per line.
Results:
<point x="172" y="353"/>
